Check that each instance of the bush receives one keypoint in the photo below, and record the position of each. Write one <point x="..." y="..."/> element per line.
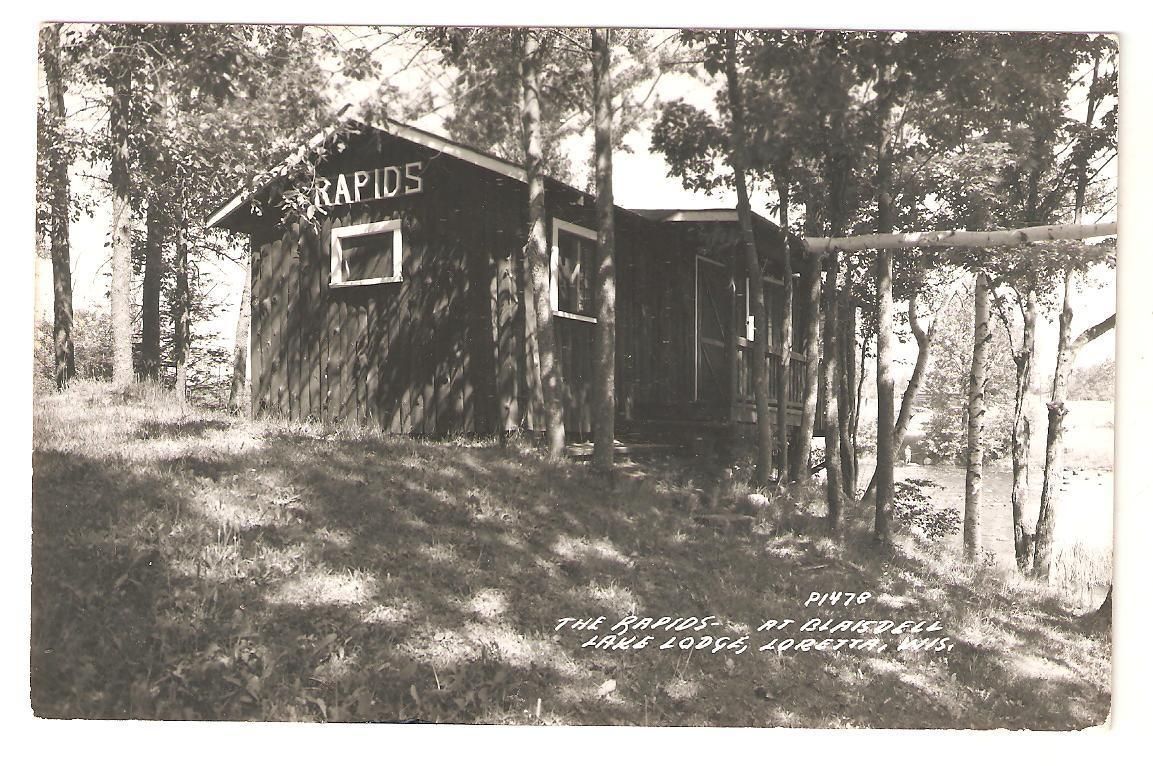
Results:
<point x="912" y="507"/>
<point x="947" y="440"/>
<point x="91" y="342"/>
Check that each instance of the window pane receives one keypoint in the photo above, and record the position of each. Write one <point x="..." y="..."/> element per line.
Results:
<point x="575" y="274"/>
<point x="368" y="256"/>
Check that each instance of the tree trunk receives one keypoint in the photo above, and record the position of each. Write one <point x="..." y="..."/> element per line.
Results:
<point x="604" y="383"/>
<point x="759" y="348"/>
<point x="536" y="248"/>
<point x="121" y="236"/>
<point x="924" y="338"/>
<point x="859" y="396"/>
<point x="844" y="345"/>
<point x="1066" y="352"/>
<point x="1054" y="438"/>
<point x="884" y="283"/>
<point x="958" y="238"/>
<point x="62" y="346"/>
<point x="150" y="293"/>
<point x="884" y="395"/>
<point x="236" y="394"/>
<point x="1023" y="433"/>
<point x="181" y="311"/>
<point x="975" y="454"/>
<point x="781" y="180"/>
<point x="833" y="479"/>
<point x="1104" y="613"/>
<point x="812" y="296"/>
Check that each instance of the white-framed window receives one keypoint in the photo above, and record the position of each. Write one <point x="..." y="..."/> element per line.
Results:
<point x="573" y="271"/>
<point x="366" y="254"/>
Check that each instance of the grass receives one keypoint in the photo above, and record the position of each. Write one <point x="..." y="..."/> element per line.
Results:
<point x="192" y="565"/>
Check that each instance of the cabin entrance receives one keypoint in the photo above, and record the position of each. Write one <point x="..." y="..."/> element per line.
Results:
<point x="710" y="373"/>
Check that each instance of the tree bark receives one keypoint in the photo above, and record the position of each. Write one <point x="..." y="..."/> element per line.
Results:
<point x="759" y="348"/>
<point x="1055" y="436"/>
<point x="811" y="290"/>
<point x="781" y="180"/>
<point x="62" y="346"/>
<point x="536" y="248"/>
<point x="884" y="489"/>
<point x="604" y="384"/>
<point x="1066" y="352"/>
<point x="975" y="453"/>
<point x="960" y="238"/>
<point x="181" y="311"/>
<point x="834" y="489"/>
<point x="236" y="394"/>
<point x="882" y="525"/>
<point x="121" y="238"/>
<point x="882" y="529"/>
<point x="150" y="292"/>
<point x="924" y="337"/>
<point x="845" y="344"/>
<point x="1023" y="432"/>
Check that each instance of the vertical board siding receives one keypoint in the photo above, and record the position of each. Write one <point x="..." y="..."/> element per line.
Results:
<point x="451" y="347"/>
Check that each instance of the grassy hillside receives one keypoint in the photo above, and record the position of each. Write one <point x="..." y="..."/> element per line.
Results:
<point x="190" y="565"/>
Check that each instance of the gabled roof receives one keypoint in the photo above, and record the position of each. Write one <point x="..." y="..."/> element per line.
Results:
<point x="689" y="216"/>
<point x="347" y="118"/>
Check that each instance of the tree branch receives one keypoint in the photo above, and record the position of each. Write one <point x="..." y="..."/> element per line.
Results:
<point x="1093" y="333"/>
<point x="959" y="238"/>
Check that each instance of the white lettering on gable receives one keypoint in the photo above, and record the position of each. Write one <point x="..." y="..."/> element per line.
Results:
<point x="386" y="182"/>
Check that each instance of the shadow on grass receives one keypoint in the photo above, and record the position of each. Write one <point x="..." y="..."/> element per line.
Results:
<point x="324" y="578"/>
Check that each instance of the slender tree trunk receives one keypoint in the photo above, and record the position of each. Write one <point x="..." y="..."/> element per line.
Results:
<point x="884" y="395"/>
<point x="181" y="310"/>
<point x="62" y="347"/>
<point x="781" y="180"/>
<point x="860" y="395"/>
<point x="604" y="388"/>
<point x="924" y="337"/>
<point x="536" y="248"/>
<point x="1054" y="437"/>
<point x="150" y="292"/>
<point x="1066" y="352"/>
<point x="844" y="343"/>
<point x="121" y="236"/>
<point x="811" y="291"/>
<point x="884" y="285"/>
<point x="236" y="394"/>
<point x="759" y="349"/>
<point x="1023" y="433"/>
<point x="834" y="488"/>
<point x="975" y="453"/>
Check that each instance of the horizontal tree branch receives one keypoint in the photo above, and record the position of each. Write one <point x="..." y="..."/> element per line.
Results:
<point x="959" y="238"/>
<point x="1094" y="332"/>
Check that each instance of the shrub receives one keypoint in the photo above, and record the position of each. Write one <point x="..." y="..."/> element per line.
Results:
<point x="912" y="507"/>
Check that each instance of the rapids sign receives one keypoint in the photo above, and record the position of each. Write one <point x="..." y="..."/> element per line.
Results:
<point x="367" y="185"/>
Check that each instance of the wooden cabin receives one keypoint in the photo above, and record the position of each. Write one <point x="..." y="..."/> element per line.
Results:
<point x="409" y="309"/>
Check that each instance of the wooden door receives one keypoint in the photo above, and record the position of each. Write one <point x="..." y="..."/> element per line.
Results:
<point x="712" y="328"/>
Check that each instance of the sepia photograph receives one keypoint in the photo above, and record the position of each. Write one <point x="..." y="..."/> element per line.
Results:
<point x="574" y="376"/>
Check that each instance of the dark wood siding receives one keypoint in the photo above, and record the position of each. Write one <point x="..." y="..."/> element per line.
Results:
<point x="450" y="348"/>
<point x="418" y="356"/>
